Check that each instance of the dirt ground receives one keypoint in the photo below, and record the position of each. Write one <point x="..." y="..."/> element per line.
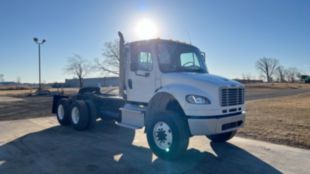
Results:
<point x="29" y="107"/>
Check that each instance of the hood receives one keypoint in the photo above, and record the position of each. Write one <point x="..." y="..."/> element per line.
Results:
<point x="199" y="78"/>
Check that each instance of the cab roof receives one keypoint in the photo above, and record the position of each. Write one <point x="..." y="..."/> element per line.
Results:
<point x="158" y="40"/>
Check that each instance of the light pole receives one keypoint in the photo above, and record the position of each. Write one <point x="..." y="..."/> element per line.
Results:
<point x="36" y="40"/>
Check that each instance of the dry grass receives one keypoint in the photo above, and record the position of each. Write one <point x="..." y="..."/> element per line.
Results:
<point x="35" y="106"/>
<point x="26" y="92"/>
<point x="29" y="107"/>
<point x="284" y="120"/>
<point x="278" y="85"/>
<point x="15" y="92"/>
<point x="67" y="91"/>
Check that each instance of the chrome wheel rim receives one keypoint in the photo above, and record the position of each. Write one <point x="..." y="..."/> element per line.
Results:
<point x="75" y="115"/>
<point x="60" y="112"/>
<point x="162" y="135"/>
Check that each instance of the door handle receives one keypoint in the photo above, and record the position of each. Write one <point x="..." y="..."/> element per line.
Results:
<point x="130" y="83"/>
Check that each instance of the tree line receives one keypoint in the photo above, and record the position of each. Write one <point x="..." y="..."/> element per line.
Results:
<point x="272" y="70"/>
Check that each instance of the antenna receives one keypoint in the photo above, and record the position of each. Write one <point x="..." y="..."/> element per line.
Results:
<point x="189" y="37"/>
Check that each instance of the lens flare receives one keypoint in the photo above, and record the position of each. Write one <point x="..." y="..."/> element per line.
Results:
<point x="146" y="29"/>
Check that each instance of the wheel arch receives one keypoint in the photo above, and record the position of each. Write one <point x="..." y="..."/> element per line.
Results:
<point x="164" y="101"/>
<point x="179" y="93"/>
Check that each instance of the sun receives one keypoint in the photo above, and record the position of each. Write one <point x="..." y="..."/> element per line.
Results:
<point x="146" y="29"/>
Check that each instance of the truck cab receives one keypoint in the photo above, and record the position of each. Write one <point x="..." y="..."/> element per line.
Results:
<point x="211" y="104"/>
<point x="165" y="87"/>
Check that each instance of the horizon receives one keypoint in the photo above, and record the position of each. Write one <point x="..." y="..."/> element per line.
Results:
<point x="234" y="34"/>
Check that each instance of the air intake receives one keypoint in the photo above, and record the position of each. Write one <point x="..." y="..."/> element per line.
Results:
<point x="231" y="96"/>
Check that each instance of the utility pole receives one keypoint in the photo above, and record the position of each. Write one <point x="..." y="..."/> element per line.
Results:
<point x="36" y="40"/>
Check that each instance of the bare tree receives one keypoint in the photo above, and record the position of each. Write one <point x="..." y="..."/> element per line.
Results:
<point x="110" y="61"/>
<point x="299" y="76"/>
<point x="18" y="82"/>
<point x="79" y="67"/>
<point x="247" y="77"/>
<point x="267" y="67"/>
<point x="280" y="72"/>
<point x="292" y="74"/>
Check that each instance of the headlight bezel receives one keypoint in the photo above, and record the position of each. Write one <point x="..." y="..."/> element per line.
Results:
<point x="197" y="99"/>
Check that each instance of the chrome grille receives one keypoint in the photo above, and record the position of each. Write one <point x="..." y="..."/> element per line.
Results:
<point x="231" y="96"/>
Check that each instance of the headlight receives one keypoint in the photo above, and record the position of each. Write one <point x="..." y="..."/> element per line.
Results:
<point x="196" y="99"/>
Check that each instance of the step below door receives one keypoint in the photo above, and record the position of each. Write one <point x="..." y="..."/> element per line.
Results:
<point x="132" y="116"/>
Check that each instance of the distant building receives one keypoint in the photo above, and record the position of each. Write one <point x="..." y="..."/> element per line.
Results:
<point x="91" y="82"/>
<point x="7" y="83"/>
<point x="56" y="85"/>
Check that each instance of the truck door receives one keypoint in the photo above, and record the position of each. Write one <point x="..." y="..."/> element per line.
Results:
<point x="141" y="77"/>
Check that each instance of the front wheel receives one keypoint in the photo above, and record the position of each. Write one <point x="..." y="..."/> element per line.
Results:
<point x="167" y="135"/>
<point x="223" y="137"/>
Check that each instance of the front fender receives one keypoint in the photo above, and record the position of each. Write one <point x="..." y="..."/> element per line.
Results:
<point x="180" y="91"/>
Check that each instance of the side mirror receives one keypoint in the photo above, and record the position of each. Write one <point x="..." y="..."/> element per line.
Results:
<point x="203" y="55"/>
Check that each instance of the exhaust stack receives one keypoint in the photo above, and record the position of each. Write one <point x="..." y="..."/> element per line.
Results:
<point x="122" y="66"/>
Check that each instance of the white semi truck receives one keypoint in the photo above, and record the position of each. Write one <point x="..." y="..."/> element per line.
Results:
<point x="166" y="88"/>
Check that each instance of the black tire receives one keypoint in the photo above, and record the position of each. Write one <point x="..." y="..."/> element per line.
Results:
<point x="220" y="138"/>
<point x="92" y="114"/>
<point x="79" y="115"/>
<point x="62" y="112"/>
<point x="178" y="129"/>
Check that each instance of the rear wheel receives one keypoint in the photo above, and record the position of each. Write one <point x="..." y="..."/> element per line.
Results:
<point x="220" y="138"/>
<point x="167" y="135"/>
<point x="92" y="113"/>
<point x="79" y="115"/>
<point x="63" y="115"/>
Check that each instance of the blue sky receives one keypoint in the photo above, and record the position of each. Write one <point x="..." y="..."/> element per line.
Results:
<point x="233" y="33"/>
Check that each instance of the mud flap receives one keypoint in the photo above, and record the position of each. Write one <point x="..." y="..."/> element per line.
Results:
<point x="56" y="98"/>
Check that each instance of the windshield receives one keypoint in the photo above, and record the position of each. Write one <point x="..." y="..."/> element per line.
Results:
<point x="176" y="57"/>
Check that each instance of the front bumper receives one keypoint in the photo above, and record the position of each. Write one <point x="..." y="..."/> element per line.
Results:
<point x="208" y="125"/>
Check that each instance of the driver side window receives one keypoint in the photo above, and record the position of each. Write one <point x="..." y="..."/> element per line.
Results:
<point x="141" y="59"/>
<point x="145" y="62"/>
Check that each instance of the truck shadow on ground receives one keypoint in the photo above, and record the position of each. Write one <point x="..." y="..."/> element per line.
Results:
<point x="110" y="149"/>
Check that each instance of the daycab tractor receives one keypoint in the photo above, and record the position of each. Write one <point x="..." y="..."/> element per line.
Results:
<point x="166" y="88"/>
